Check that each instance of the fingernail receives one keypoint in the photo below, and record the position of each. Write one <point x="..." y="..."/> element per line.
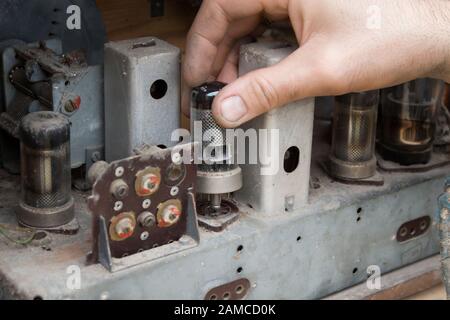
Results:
<point x="233" y="108"/>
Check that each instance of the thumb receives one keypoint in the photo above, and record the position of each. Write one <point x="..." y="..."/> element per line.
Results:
<point x="264" y="89"/>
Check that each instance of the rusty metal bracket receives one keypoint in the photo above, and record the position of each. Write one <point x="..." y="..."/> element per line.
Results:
<point x="190" y="240"/>
<point x="122" y="237"/>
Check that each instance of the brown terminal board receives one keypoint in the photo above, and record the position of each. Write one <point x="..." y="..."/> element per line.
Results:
<point x="413" y="228"/>
<point x="234" y="290"/>
<point x="169" y="179"/>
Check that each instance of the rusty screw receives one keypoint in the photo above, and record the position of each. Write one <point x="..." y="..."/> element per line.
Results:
<point x="119" y="189"/>
<point x="69" y="106"/>
<point x="72" y="104"/>
<point x="146" y="219"/>
<point x="124" y="228"/>
<point x="171" y="214"/>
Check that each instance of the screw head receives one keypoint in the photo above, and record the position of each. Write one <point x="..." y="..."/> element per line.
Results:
<point x="96" y="156"/>
<point x="171" y="214"/>
<point x="146" y="219"/>
<point x="72" y="104"/>
<point x="124" y="228"/>
<point x="119" y="189"/>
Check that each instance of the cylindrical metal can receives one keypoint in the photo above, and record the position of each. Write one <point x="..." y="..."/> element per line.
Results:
<point x="352" y="155"/>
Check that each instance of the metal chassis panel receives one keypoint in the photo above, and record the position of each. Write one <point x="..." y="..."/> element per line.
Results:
<point x="278" y="263"/>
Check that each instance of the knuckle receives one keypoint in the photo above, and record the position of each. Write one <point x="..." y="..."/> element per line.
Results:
<point x="217" y="10"/>
<point x="264" y="93"/>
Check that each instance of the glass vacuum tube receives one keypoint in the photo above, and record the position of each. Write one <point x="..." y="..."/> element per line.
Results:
<point x="46" y="200"/>
<point x="408" y="121"/>
<point x="217" y="176"/>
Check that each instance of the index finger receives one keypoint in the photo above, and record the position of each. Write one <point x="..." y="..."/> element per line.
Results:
<point x="208" y="30"/>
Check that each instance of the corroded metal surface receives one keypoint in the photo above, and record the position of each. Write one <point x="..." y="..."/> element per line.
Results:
<point x="134" y="171"/>
<point x="309" y="253"/>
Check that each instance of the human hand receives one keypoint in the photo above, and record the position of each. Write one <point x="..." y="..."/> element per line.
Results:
<point x="342" y="49"/>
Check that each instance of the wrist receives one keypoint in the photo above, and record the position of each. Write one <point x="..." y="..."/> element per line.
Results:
<point x="441" y="28"/>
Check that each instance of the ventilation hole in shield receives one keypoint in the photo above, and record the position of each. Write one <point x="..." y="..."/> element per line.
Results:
<point x="291" y="159"/>
<point x="158" y="89"/>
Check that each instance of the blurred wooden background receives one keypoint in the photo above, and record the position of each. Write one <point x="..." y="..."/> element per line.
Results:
<point x="127" y="19"/>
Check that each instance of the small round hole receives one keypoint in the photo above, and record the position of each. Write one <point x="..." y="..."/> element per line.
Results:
<point x="291" y="159"/>
<point x="239" y="270"/>
<point x="162" y="146"/>
<point x="299" y="238"/>
<point x="358" y="219"/>
<point x="239" y="289"/>
<point x="240" y="248"/>
<point x="359" y="210"/>
<point x="122" y="191"/>
<point x="226" y="296"/>
<point x="213" y="297"/>
<point x="355" y="270"/>
<point x="403" y="231"/>
<point x="158" y="89"/>
<point x="423" y="225"/>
